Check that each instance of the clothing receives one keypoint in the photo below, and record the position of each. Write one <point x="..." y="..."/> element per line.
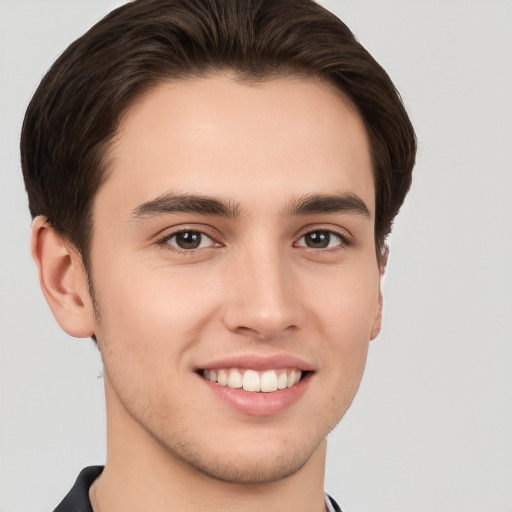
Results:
<point x="331" y="505"/>
<point x="77" y="500"/>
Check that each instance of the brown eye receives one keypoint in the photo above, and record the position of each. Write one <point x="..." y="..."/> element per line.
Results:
<point x="190" y="240"/>
<point x="320" y="239"/>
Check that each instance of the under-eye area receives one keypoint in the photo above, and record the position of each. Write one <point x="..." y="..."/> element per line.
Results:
<point x="265" y="381"/>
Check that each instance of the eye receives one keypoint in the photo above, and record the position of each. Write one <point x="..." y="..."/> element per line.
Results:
<point x="320" y="239"/>
<point x="189" y="240"/>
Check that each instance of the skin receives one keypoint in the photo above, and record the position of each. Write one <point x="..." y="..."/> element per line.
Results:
<point x="253" y="288"/>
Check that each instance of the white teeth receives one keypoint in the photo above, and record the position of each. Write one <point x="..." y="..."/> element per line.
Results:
<point x="222" y="378"/>
<point x="282" y="381"/>
<point x="235" y="379"/>
<point x="251" y="381"/>
<point x="290" y="381"/>
<point x="254" y="381"/>
<point x="269" y="382"/>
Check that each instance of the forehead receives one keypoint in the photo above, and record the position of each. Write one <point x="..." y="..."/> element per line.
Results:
<point x="218" y="136"/>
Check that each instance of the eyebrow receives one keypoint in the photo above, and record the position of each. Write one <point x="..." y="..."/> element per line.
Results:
<point x="308" y="204"/>
<point x="186" y="203"/>
<point x="328" y="203"/>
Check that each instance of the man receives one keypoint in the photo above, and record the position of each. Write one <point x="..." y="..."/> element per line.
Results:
<point x="212" y="183"/>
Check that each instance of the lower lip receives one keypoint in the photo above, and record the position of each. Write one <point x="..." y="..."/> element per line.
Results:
<point x="259" y="404"/>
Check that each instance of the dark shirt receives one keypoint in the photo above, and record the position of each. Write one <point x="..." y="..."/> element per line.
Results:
<point x="77" y="500"/>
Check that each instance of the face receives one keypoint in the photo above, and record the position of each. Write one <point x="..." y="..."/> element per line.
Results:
<point x="233" y="263"/>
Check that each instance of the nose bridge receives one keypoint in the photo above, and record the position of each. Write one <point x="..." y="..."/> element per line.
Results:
<point x="262" y="299"/>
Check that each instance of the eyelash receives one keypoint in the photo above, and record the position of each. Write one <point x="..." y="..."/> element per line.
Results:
<point x="344" y="239"/>
<point x="164" y="241"/>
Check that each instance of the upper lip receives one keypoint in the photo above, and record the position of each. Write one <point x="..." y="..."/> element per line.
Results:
<point x="257" y="362"/>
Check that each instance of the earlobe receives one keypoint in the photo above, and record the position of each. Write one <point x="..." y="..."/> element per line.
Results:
<point x="63" y="280"/>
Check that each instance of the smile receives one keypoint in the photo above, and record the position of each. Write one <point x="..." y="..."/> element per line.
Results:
<point x="266" y="381"/>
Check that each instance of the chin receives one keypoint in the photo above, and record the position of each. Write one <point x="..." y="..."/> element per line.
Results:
<point x="258" y="458"/>
<point x="250" y="468"/>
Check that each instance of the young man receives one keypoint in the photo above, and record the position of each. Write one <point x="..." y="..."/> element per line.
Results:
<point x="212" y="183"/>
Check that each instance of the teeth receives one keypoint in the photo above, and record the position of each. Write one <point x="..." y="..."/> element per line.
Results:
<point x="282" y="381"/>
<point x="254" y="381"/>
<point x="222" y="378"/>
<point x="251" y="381"/>
<point x="269" y="382"/>
<point x="235" y="379"/>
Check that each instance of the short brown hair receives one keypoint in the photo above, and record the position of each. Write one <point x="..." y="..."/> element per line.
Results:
<point x="75" y="112"/>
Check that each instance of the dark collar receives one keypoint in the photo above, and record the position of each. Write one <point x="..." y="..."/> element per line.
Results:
<point x="77" y="500"/>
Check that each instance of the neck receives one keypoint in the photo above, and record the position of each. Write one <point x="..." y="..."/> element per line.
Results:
<point x="141" y="474"/>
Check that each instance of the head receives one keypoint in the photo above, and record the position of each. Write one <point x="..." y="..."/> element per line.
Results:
<point x="75" y="113"/>
<point x="184" y="154"/>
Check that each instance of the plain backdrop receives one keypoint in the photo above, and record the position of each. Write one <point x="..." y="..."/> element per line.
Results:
<point x="431" y="427"/>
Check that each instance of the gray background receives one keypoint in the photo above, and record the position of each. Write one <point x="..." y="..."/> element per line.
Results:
<point x="430" y="430"/>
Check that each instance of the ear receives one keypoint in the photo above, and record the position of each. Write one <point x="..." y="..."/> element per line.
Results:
<point x="63" y="280"/>
<point x="377" y="324"/>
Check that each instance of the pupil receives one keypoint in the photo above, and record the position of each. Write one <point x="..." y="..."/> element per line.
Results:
<point x="188" y="240"/>
<point x="318" y="239"/>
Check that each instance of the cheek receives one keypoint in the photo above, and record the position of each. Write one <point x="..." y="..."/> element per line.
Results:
<point x="346" y="304"/>
<point x="345" y="314"/>
<point x="151" y="308"/>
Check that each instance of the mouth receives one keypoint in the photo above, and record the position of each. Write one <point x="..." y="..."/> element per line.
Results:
<point x="254" y="381"/>
<point x="257" y="385"/>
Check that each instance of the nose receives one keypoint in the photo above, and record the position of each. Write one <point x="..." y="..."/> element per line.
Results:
<point x="264" y="300"/>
